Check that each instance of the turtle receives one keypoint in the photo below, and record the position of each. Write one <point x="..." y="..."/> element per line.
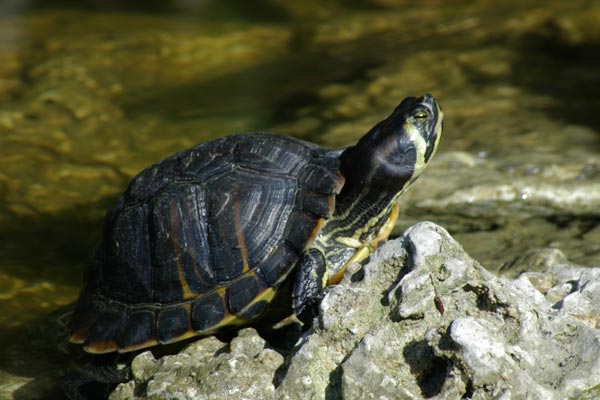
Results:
<point x="213" y="237"/>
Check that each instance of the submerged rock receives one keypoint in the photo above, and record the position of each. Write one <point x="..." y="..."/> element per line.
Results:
<point x="421" y="320"/>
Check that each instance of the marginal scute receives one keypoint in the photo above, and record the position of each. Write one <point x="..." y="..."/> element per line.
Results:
<point x="104" y="333"/>
<point x="207" y="311"/>
<point x="84" y="317"/>
<point x="253" y="310"/>
<point x="276" y="265"/>
<point x="138" y="330"/>
<point x="242" y="292"/>
<point x="172" y="323"/>
<point x="299" y="228"/>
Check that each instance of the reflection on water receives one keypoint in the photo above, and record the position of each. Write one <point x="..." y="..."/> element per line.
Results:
<point x="91" y="92"/>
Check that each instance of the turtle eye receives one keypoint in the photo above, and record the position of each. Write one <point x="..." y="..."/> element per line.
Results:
<point x="421" y="116"/>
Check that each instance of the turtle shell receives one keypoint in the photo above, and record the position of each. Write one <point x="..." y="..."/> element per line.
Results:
<point x="203" y="240"/>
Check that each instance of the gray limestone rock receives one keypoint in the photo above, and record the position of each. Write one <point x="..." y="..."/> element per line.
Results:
<point x="420" y="320"/>
<point x="206" y="369"/>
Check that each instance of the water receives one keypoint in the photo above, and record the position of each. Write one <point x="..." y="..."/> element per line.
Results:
<point x="90" y="93"/>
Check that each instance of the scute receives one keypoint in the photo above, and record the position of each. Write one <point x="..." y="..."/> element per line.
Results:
<point x="138" y="330"/>
<point x="317" y="179"/>
<point x="245" y="290"/>
<point x="152" y="180"/>
<point x="203" y="240"/>
<point x="299" y="223"/>
<point x="207" y="311"/>
<point x="125" y="259"/>
<point x="104" y="333"/>
<point x="172" y="323"/>
<point x="178" y="241"/>
<point x="243" y="230"/>
<point x="278" y="261"/>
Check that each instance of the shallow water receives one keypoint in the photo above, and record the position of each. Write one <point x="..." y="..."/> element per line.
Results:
<point x="92" y="92"/>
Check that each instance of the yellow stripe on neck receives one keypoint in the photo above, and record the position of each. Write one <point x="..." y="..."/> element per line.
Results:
<point x="369" y="246"/>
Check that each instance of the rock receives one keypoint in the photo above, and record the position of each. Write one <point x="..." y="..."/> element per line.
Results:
<point x="206" y="369"/>
<point x="420" y="320"/>
<point x="533" y="260"/>
<point x="526" y="184"/>
<point x="500" y="209"/>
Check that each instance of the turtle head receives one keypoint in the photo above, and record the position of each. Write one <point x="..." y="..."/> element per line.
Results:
<point x="396" y="150"/>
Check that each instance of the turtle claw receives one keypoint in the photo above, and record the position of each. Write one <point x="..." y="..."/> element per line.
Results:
<point x="308" y="311"/>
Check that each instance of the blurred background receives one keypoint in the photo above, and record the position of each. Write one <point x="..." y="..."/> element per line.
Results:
<point x="91" y="92"/>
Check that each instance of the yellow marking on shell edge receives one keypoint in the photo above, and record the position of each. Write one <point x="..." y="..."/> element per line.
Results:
<point x="315" y="232"/>
<point x="187" y="292"/>
<point x="101" y="348"/>
<point x="146" y="344"/>
<point x="339" y="185"/>
<point x="232" y="319"/>
<point x="229" y="320"/>
<point x="188" y="334"/>
<point x="77" y="338"/>
<point x="369" y="246"/>
<point x="266" y="295"/>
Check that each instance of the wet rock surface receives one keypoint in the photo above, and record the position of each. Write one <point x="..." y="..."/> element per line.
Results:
<point x="421" y="319"/>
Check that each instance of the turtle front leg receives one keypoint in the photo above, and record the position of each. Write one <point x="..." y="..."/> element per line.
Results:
<point x="311" y="281"/>
<point x="315" y="273"/>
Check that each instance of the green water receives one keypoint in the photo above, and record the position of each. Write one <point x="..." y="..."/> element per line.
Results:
<point x="92" y="92"/>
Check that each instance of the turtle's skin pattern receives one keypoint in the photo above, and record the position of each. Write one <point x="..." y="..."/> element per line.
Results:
<point x="203" y="240"/>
